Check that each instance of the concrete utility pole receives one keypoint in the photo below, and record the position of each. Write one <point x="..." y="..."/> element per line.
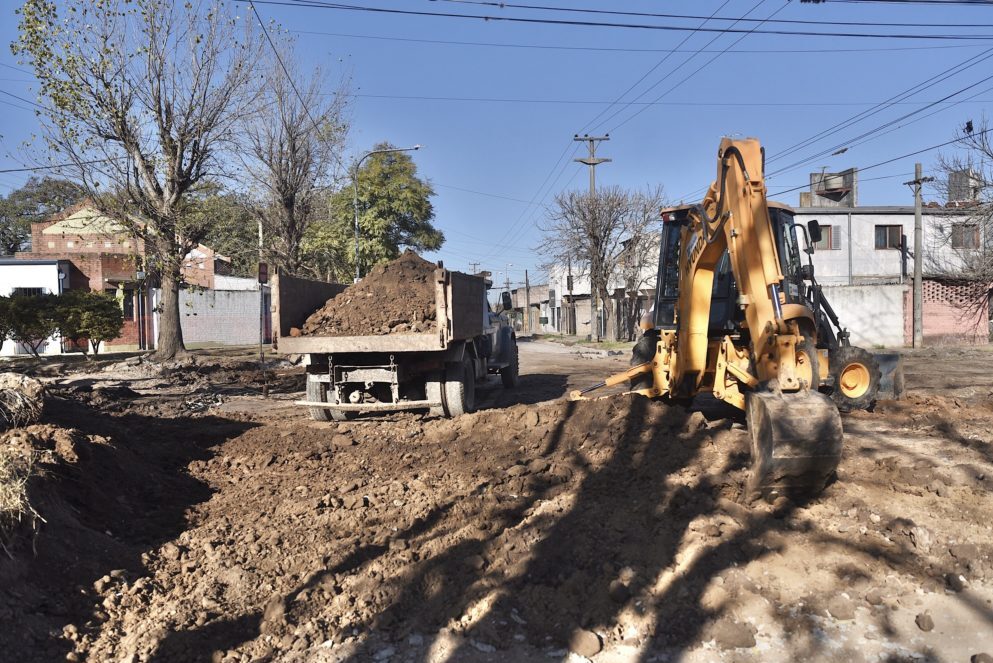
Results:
<point x="916" y="184"/>
<point x="570" y="323"/>
<point x="592" y="161"/>
<point x="527" y="303"/>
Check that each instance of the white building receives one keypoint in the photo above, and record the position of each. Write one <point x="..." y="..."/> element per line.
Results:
<point x="33" y="277"/>
<point x="862" y="245"/>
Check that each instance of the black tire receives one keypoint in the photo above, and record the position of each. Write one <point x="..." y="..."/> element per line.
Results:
<point x="460" y="388"/>
<point x="510" y="374"/>
<point x="318" y="391"/>
<point x="856" y="378"/>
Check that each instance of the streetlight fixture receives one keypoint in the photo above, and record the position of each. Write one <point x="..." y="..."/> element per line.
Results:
<point x="355" y="192"/>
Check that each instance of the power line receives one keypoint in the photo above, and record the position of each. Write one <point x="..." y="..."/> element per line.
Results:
<point x="914" y="89"/>
<point x="482" y="193"/>
<point x="286" y="71"/>
<point x="600" y="102"/>
<point x="614" y="12"/>
<point x="445" y="42"/>
<point x="55" y="166"/>
<point x="694" y="73"/>
<point x="902" y="156"/>
<point x="315" y="4"/>
<point x="656" y="66"/>
<point x="878" y="129"/>
<point x="27" y="101"/>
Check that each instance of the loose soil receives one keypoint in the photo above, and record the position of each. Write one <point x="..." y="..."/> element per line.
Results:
<point x="245" y="532"/>
<point x="394" y="298"/>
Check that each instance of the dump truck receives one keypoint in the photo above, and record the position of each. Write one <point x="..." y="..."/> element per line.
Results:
<point x="437" y="370"/>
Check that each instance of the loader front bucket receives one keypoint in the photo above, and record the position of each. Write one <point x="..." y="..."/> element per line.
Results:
<point x="796" y="443"/>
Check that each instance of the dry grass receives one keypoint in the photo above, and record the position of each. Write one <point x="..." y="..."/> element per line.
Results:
<point x="18" y="409"/>
<point x="15" y="470"/>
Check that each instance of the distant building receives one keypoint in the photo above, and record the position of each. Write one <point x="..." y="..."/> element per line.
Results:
<point x="873" y="245"/>
<point x="82" y="248"/>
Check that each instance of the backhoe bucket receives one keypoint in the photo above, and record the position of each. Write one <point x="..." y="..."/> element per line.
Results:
<point x="796" y="443"/>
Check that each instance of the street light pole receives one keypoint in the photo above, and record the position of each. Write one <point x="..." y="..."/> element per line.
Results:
<point x="355" y="193"/>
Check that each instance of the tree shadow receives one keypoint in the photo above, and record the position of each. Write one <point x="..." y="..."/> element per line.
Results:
<point x="124" y="491"/>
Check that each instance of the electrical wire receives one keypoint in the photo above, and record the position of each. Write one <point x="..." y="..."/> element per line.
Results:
<point x="694" y="73"/>
<point x="614" y="12"/>
<point x="887" y="161"/>
<point x="629" y="50"/>
<point x="600" y="102"/>
<point x="878" y="129"/>
<point x="901" y="96"/>
<point x="315" y="4"/>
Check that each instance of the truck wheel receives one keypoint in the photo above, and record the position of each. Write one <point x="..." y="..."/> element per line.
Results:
<point x="433" y="388"/>
<point x="856" y="378"/>
<point x="318" y="391"/>
<point x="510" y="374"/>
<point x="460" y="388"/>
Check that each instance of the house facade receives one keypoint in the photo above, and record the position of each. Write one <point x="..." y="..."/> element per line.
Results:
<point x="83" y="249"/>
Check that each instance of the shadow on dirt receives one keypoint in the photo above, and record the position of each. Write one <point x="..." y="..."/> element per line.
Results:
<point x="126" y="491"/>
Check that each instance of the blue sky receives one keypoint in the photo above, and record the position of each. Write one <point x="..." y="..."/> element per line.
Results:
<point x="497" y="121"/>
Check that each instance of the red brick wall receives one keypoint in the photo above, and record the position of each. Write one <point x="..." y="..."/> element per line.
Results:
<point x="953" y="313"/>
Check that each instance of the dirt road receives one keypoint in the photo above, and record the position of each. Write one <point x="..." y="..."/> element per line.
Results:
<point x="187" y="519"/>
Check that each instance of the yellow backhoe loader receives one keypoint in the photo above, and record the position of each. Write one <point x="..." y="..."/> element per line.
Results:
<point x="734" y="316"/>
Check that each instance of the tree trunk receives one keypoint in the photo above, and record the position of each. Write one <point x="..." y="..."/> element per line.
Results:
<point x="608" y="304"/>
<point x="170" y="341"/>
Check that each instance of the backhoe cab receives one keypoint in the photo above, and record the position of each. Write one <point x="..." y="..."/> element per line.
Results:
<point x="738" y="315"/>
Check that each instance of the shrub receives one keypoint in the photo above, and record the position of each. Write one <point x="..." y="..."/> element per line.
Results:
<point x="32" y="319"/>
<point x="96" y="316"/>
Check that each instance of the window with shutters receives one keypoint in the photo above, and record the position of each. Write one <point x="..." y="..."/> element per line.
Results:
<point x="830" y="238"/>
<point x="888" y="237"/>
<point x="965" y="236"/>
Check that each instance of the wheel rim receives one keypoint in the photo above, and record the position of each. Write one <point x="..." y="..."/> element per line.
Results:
<point x="854" y="380"/>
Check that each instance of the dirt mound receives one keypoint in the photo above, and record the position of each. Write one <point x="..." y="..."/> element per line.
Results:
<point x="394" y="298"/>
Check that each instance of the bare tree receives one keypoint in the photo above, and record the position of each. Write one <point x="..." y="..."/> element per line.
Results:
<point x="639" y="259"/>
<point x="589" y="229"/>
<point x="293" y="147"/>
<point x="960" y="246"/>
<point x="142" y="98"/>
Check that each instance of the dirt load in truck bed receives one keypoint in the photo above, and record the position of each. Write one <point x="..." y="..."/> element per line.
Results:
<point x="394" y="298"/>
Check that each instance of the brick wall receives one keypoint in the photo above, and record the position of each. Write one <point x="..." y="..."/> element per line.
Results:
<point x="953" y="313"/>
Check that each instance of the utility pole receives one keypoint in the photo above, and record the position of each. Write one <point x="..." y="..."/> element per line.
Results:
<point x="916" y="184"/>
<point x="592" y="161"/>
<point x="527" y="304"/>
<point x="570" y="325"/>
<point x="474" y="267"/>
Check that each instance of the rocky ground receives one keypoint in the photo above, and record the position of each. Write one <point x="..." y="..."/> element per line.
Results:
<point x="188" y="519"/>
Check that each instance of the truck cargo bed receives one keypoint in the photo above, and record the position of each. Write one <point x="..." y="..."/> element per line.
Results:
<point x="459" y="314"/>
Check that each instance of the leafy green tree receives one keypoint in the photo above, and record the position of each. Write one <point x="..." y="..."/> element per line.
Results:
<point x="96" y="316"/>
<point x="33" y="319"/>
<point x="142" y="98"/>
<point x="232" y="231"/>
<point x="395" y="213"/>
<point x="37" y="200"/>
<point x="5" y="324"/>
